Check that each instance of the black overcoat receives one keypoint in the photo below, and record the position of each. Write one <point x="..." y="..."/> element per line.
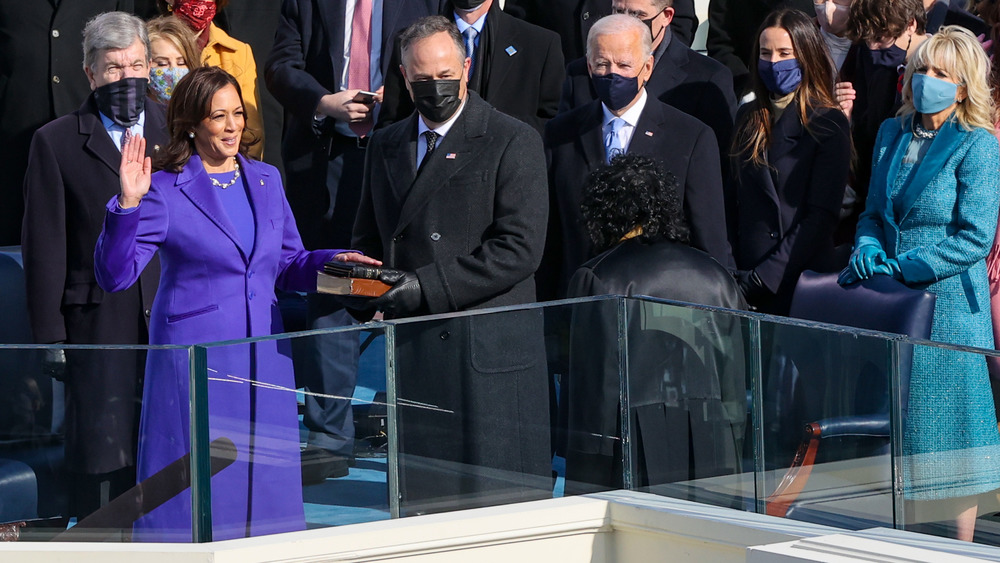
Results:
<point x="72" y="173"/>
<point x="474" y="426"/>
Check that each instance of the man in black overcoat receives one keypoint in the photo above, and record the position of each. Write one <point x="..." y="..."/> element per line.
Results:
<point x="681" y="77"/>
<point x="72" y="174"/>
<point x="462" y="212"/>
<point x="517" y="67"/>
<point x="575" y="144"/>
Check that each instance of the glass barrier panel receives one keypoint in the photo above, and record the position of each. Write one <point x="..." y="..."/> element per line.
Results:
<point x="481" y="402"/>
<point x="689" y="425"/>
<point x="70" y="419"/>
<point x="826" y="396"/>
<point x="950" y="462"/>
<point x="299" y="421"/>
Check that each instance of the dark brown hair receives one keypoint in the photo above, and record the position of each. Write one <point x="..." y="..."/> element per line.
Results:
<point x="753" y="135"/>
<point x="188" y="107"/>
<point x="876" y="20"/>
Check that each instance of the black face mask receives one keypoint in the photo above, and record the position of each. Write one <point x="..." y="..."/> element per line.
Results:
<point x="122" y="101"/>
<point x="892" y="57"/>
<point x="436" y="100"/>
<point x="615" y="90"/>
<point x="467" y="4"/>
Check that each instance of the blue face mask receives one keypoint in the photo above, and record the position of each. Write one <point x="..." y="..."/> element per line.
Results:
<point x="162" y="81"/>
<point x="615" y="90"/>
<point x="782" y="77"/>
<point x="931" y="95"/>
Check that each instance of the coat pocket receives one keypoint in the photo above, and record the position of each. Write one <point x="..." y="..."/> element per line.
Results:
<point x="196" y="313"/>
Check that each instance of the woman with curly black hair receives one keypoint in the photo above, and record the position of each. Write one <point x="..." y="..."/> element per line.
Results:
<point x="793" y="152"/>
<point x="633" y="213"/>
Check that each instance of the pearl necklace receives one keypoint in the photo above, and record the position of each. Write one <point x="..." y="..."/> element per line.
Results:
<point x="236" y="176"/>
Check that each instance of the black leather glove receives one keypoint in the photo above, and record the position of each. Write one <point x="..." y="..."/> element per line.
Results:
<point x="405" y="296"/>
<point x="753" y="289"/>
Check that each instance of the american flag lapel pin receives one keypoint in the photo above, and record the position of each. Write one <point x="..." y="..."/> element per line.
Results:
<point x="450" y="156"/>
<point x="649" y="133"/>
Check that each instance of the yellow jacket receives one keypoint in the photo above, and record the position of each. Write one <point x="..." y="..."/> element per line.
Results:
<point x="236" y="58"/>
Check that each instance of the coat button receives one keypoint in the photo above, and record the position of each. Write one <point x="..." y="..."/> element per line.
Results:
<point x="55" y="33"/>
<point x="445" y="335"/>
<point x="397" y="238"/>
<point x="55" y="79"/>
<point x="774" y="235"/>
<point x="586" y="16"/>
<point x="250" y="274"/>
<point x="251" y="295"/>
<point x="146" y="312"/>
<point x="435" y="237"/>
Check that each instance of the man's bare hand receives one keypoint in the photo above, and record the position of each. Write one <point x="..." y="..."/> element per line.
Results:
<point x="342" y="107"/>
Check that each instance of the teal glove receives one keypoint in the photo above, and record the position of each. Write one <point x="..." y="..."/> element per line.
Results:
<point x="864" y="259"/>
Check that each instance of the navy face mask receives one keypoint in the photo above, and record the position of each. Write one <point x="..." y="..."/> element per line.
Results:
<point x="891" y="57"/>
<point x="615" y="90"/>
<point x="467" y="5"/>
<point x="782" y="77"/>
<point x="123" y="100"/>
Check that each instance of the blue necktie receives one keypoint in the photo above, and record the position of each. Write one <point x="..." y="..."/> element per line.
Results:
<point x="470" y="34"/>
<point x="612" y="141"/>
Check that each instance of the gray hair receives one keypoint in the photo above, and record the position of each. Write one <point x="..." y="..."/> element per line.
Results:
<point x="424" y="28"/>
<point x="112" y="30"/>
<point x="616" y="24"/>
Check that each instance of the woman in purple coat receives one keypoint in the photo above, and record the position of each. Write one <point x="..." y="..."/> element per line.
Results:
<point x="226" y="238"/>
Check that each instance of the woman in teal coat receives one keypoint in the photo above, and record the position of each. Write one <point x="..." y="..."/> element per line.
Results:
<point x="930" y="221"/>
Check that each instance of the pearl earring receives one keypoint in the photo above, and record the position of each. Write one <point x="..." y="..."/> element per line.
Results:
<point x="191" y="134"/>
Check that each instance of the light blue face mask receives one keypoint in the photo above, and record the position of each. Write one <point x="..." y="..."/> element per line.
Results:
<point x="931" y="95"/>
<point x="162" y="81"/>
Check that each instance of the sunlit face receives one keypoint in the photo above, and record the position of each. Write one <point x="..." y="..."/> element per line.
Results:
<point x="619" y="53"/>
<point x="435" y="58"/>
<point x="645" y="10"/>
<point x="776" y="45"/>
<point x="113" y="65"/>
<point x="217" y="137"/>
<point x="166" y="54"/>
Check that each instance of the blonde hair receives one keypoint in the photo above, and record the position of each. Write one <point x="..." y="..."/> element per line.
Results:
<point x="956" y="51"/>
<point x="177" y="33"/>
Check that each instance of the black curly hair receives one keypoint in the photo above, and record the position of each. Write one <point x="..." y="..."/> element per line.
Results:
<point x="633" y="191"/>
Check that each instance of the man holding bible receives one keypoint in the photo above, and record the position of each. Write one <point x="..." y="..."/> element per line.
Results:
<point x="455" y="197"/>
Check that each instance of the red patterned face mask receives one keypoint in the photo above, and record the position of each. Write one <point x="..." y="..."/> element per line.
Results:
<point x="196" y="13"/>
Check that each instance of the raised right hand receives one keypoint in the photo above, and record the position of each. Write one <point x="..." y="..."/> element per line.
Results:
<point x="134" y="173"/>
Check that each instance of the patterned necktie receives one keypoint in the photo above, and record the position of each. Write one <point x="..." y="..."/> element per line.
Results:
<point x="432" y="139"/>
<point x="470" y="34"/>
<point x="359" y="66"/>
<point x="125" y="137"/>
<point x="613" y="142"/>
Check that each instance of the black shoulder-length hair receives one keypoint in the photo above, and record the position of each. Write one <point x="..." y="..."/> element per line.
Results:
<point x="190" y="104"/>
<point x="633" y="192"/>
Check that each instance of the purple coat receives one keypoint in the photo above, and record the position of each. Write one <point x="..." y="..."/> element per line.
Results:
<point x="210" y="290"/>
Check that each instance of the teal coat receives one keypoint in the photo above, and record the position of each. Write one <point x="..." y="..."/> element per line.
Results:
<point x="940" y="228"/>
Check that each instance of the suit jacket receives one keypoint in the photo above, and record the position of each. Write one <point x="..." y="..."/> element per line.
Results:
<point x="574" y="145"/>
<point x="787" y="211"/>
<point x="72" y="172"/>
<point x="732" y="31"/>
<point x="472" y="226"/>
<point x="682" y="78"/>
<point x="518" y="70"/>
<point x="552" y="14"/>
<point x="307" y="63"/>
<point x="213" y="288"/>
<point x="40" y="79"/>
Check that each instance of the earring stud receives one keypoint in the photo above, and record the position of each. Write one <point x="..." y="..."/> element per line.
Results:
<point x="191" y="134"/>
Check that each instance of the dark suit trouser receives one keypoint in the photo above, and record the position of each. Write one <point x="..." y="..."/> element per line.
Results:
<point x="324" y="191"/>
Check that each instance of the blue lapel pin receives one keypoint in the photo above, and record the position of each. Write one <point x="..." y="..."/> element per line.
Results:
<point x="510" y="50"/>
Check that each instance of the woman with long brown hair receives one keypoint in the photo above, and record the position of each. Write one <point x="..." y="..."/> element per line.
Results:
<point x="793" y="151"/>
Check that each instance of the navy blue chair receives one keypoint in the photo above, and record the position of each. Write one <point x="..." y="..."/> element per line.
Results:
<point x="879" y="304"/>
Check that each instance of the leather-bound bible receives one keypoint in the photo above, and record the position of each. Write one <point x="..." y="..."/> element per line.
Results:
<point x="344" y="278"/>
